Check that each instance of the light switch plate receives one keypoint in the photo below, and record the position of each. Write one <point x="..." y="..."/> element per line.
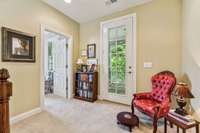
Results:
<point x="148" y="64"/>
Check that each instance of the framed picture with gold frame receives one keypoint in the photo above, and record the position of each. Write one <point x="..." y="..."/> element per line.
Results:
<point x="17" y="46"/>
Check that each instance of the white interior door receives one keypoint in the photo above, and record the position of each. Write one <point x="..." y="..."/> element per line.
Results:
<point x="119" y="61"/>
<point x="66" y="69"/>
<point x="60" y="71"/>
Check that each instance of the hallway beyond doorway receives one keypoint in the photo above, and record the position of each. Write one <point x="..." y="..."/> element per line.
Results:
<point x="56" y="64"/>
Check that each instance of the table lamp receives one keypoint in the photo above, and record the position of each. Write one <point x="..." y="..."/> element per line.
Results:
<point x="182" y="92"/>
<point x="79" y="63"/>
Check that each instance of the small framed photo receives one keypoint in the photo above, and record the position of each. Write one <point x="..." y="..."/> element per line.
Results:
<point x="17" y="46"/>
<point x="92" y="68"/>
<point x="91" y="50"/>
<point x="84" y="68"/>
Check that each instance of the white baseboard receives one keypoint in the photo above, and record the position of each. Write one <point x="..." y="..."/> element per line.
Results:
<point x="25" y="115"/>
<point x="100" y="97"/>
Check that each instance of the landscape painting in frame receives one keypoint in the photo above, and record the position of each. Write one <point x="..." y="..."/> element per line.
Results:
<point x="17" y="46"/>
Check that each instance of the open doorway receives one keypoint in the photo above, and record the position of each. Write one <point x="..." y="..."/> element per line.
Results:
<point x="55" y="65"/>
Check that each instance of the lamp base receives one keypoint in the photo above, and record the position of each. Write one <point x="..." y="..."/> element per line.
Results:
<point x="181" y="112"/>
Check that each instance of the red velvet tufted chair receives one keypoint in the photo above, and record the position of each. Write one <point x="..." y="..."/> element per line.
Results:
<point x="156" y="103"/>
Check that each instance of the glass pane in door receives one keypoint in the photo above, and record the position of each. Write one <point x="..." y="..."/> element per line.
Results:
<point x="117" y="59"/>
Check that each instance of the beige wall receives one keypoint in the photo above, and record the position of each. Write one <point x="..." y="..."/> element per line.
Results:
<point x="191" y="43"/>
<point x="158" y="41"/>
<point x="158" y="37"/>
<point x="26" y="16"/>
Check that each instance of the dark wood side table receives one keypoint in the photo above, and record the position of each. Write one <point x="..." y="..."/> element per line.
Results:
<point x="128" y="119"/>
<point x="184" y="127"/>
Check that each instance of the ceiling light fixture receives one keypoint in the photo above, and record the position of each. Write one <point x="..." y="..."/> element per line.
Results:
<point x="110" y="2"/>
<point x="68" y="1"/>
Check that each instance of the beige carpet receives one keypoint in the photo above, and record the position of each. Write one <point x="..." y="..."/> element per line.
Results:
<point x="74" y="116"/>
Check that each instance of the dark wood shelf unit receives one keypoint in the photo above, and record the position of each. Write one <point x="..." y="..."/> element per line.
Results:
<point x="86" y="86"/>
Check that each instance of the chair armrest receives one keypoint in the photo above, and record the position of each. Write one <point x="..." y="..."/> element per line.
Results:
<point x="162" y="108"/>
<point x="145" y="95"/>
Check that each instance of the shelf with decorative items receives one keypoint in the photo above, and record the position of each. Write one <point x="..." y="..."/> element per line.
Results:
<point x="86" y="77"/>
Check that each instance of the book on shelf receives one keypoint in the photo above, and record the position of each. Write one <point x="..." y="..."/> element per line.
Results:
<point x="78" y="77"/>
<point x="85" y="94"/>
<point x="85" y="86"/>
<point x="188" y="119"/>
<point x="90" y="94"/>
<point x="80" y="85"/>
<point x="90" y="77"/>
<point x="84" y="77"/>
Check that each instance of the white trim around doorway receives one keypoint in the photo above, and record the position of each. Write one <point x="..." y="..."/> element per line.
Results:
<point x="70" y="62"/>
<point x="134" y="43"/>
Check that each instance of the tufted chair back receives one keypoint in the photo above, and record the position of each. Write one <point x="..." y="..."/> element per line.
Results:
<point x="163" y="84"/>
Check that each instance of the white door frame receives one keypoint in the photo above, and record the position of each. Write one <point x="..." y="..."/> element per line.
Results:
<point x="70" y="62"/>
<point x="102" y="83"/>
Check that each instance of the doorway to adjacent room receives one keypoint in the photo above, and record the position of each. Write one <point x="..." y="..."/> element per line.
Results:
<point x="56" y="62"/>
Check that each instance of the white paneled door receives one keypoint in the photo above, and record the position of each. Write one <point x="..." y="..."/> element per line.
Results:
<point x="119" y="59"/>
<point x="60" y="71"/>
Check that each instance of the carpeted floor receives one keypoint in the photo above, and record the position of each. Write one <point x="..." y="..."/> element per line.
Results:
<point x="74" y="116"/>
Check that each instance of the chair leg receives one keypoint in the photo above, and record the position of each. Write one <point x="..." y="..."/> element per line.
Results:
<point x="171" y="125"/>
<point x="132" y="107"/>
<point x="155" y="125"/>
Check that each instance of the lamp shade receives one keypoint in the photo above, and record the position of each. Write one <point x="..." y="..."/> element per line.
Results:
<point x="182" y="90"/>
<point x="79" y="61"/>
<point x="84" y="53"/>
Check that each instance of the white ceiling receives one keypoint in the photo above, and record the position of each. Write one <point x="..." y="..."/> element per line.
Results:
<point x="87" y="10"/>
